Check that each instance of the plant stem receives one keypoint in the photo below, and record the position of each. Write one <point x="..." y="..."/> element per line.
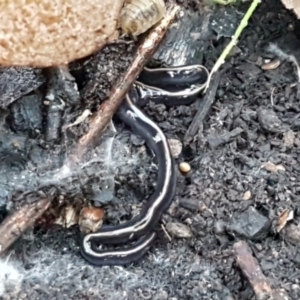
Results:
<point x="234" y="40"/>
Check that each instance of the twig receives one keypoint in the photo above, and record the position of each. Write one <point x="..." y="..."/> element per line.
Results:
<point x="251" y="269"/>
<point x="109" y="107"/>
<point x="233" y="42"/>
<point x="272" y="97"/>
<point x="166" y="232"/>
<point x="203" y="110"/>
<point x="14" y="225"/>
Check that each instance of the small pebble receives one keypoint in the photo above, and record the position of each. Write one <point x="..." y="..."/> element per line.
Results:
<point x="178" y="230"/>
<point x="271" y="65"/>
<point x="175" y="147"/>
<point x="190" y="204"/>
<point x="258" y="247"/>
<point x="269" y="121"/>
<point x="247" y="195"/>
<point x="184" y="167"/>
<point x="219" y="227"/>
<point x="289" y="138"/>
<point x="273" y="168"/>
<point x="291" y="233"/>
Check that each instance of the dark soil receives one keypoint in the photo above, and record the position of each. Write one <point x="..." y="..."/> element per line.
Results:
<point x="230" y="194"/>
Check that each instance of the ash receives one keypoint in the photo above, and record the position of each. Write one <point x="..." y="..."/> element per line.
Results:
<point x="53" y="177"/>
<point x="50" y="274"/>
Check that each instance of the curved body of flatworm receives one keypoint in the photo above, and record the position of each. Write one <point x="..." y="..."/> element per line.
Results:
<point x="137" y="16"/>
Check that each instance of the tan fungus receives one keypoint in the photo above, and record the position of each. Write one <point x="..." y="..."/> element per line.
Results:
<point x="294" y="5"/>
<point x="54" y="32"/>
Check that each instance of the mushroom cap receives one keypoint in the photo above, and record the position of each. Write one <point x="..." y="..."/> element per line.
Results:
<point x="42" y="33"/>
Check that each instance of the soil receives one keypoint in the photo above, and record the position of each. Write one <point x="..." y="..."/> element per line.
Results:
<point x="242" y="184"/>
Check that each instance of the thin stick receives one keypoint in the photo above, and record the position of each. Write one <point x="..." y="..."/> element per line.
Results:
<point x="109" y="107"/>
<point x="234" y="40"/>
<point x="14" y="225"/>
<point x="203" y="110"/>
<point x="252" y="271"/>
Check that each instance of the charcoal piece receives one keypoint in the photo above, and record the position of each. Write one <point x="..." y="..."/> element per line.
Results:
<point x="250" y="71"/>
<point x="225" y="21"/>
<point x="26" y="114"/>
<point x="60" y="84"/>
<point x="295" y="124"/>
<point x="269" y="121"/>
<point x="61" y="92"/>
<point x="186" y="41"/>
<point x="203" y="109"/>
<point x="191" y="204"/>
<point x="54" y="122"/>
<point x="13" y="143"/>
<point x="246" y="160"/>
<point x="101" y="192"/>
<point x="16" y="82"/>
<point x="69" y="86"/>
<point x="273" y="180"/>
<point x="237" y="108"/>
<point x="216" y="140"/>
<point x="249" y="224"/>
